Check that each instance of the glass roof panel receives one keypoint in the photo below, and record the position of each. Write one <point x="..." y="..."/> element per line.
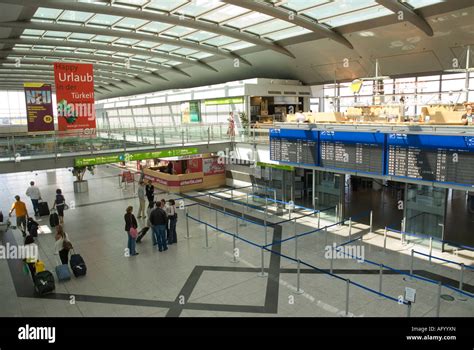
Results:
<point x="298" y="5"/>
<point x="141" y="57"/>
<point x="85" y="50"/>
<point x="157" y="60"/>
<point x="248" y="20"/>
<point x="200" y="36"/>
<point x="146" y="44"/>
<point x="131" y="23"/>
<point x="338" y="7"/>
<point x="50" y="33"/>
<point x="185" y="51"/>
<point x="104" y="38"/>
<point x="358" y="16"/>
<point x="268" y="27"/>
<point x="198" y="7"/>
<point x="106" y="20"/>
<point x="126" y="41"/>
<point x="201" y="55"/>
<point x="166" y="5"/>
<point x="46" y="13"/>
<point x="104" y="52"/>
<point x="75" y="16"/>
<point x="422" y="3"/>
<point x="225" y="12"/>
<point x="166" y="47"/>
<point x="33" y="32"/>
<point x="287" y="33"/>
<point x="172" y="63"/>
<point x="133" y="2"/>
<point x="156" y="27"/>
<point x="237" y="46"/>
<point x="178" y="31"/>
<point x="220" y="40"/>
<point x="81" y="36"/>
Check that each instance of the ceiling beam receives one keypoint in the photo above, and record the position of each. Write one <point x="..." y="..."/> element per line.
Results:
<point x="409" y="15"/>
<point x="152" y="16"/>
<point x="291" y="17"/>
<point x="96" y="46"/>
<point x="80" y="56"/>
<point x="123" y="34"/>
<point x="102" y="67"/>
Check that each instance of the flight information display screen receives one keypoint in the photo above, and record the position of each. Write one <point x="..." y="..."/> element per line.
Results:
<point x="431" y="157"/>
<point x="294" y="146"/>
<point x="356" y="151"/>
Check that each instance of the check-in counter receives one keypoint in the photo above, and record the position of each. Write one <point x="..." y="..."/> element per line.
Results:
<point x="211" y="176"/>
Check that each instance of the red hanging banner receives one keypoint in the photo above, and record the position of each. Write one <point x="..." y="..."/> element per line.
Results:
<point x="75" y="97"/>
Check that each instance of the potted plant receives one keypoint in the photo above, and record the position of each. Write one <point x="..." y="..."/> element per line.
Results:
<point x="81" y="185"/>
<point x="245" y="124"/>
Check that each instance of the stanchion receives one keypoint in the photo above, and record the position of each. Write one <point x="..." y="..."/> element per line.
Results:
<point x="217" y="222"/>
<point x="348" y="283"/>
<point x="411" y="262"/>
<point x="319" y="219"/>
<point x="207" y="238"/>
<point x="244" y="223"/>
<point x="262" y="273"/>
<point x="380" y="277"/>
<point x="296" y="240"/>
<point x="231" y="194"/>
<point x="289" y="213"/>
<point x="335" y="215"/>
<point x="461" y="283"/>
<point x="326" y="235"/>
<point x="187" y="224"/>
<point x="332" y="259"/>
<point x="371" y="222"/>
<point x="385" y="239"/>
<point x="350" y="228"/>
<point x="298" y="289"/>
<point x="431" y="248"/>
<point x="409" y="309"/>
<point x="266" y="231"/>
<point x="438" y="305"/>
<point x="209" y="200"/>
<point x="234" y="257"/>
<point x="247" y="207"/>
<point x="266" y="207"/>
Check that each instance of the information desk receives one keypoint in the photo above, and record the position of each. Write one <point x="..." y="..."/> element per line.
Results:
<point x="184" y="182"/>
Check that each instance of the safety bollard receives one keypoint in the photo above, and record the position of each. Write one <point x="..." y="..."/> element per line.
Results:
<point x="187" y="224"/>
<point x="207" y="238"/>
<point x="262" y="273"/>
<point x="438" y="306"/>
<point x="348" y="283"/>
<point x="319" y="219"/>
<point x="431" y="248"/>
<point x="234" y="252"/>
<point x="385" y="239"/>
<point x="371" y="221"/>
<point x="298" y="283"/>
<point x="411" y="262"/>
<point x="350" y="228"/>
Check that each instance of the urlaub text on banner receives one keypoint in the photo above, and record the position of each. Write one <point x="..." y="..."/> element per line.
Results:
<point x="75" y="97"/>
<point x="39" y="107"/>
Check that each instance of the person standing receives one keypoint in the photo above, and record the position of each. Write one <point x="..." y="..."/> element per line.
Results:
<point x="21" y="214"/>
<point x="231" y="128"/>
<point x="130" y="222"/>
<point x="141" y="198"/>
<point x="158" y="221"/>
<point x="62" y="245"/>
<point x="35" y="195"/>
<point x="165" y="208"/>
<point x="150" y="192"/>
<point x="60" y="204"/>
<point x="172" y="219"/>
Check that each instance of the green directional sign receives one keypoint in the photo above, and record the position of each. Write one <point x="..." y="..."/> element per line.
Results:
<point x="276" y="166"/>
<point x="127" y="157"/>
<point x="224" y="101"/>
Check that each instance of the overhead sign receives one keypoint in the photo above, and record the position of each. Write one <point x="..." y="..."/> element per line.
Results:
<point x="276" y="166"/>
<point x="224" y="101"/>
<point x="39" y="107"/>
<point x="75" y="96"/>
<point x="128" y="157"/>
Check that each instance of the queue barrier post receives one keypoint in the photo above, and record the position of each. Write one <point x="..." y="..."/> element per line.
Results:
<point x="296" y="240"/>
<point x="431" y="248"/>
<point x="207" y="237"/>
<point x="380" y="277"/>
<point x="438" y="302"/>
<point x="411" y="262"/>
<point x="350" y="228"/>
<point x="371" y="221"/>
<point x="262" y="273"/>
<point x="298" y="282"/>
<point x="234" y="251"/>
<point x="187" y="223"/>
<point x="385" y="239"/>
<point x="348" y="283"/>
<point x="319" y="219"/>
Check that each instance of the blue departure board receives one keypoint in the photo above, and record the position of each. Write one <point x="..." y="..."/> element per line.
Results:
<point x="431" y="157"/>
<point x="354" y="151"/>
<point x="294" y="146"/>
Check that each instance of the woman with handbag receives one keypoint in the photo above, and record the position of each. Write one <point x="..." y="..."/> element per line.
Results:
<point x="62" y="245"/>
<point x="131" y="227"/>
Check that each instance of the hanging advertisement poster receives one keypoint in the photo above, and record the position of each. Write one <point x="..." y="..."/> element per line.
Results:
<point x="75" y="97"/>
<point x="39" y="107"/>
<point x="211" y="166"/>
<point x="190" y="112"/>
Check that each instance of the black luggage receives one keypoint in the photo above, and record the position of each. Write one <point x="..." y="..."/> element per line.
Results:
<point x="43" y="209"/>
<point x="32" y="227"/>
<point x="78" y="266"/>
<point x="53" y="219"/>
<point x="44" y="283"/>
<point x="142" y="234"/>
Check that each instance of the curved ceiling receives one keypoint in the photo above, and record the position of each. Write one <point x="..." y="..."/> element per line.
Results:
<point x="139" y="46"/>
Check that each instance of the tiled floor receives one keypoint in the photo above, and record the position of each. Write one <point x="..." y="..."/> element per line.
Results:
<point x="190" y="280"/>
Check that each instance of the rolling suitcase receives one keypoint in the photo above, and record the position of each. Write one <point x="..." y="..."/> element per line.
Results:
<point x="142" y="234"/>
<point x="53" y="219"/>
<point x="44" y="283"/>
<point x="43" y="209"/>
<point x="32" y="227"/>
<point x="78" y="266"/>
<point x="63" y="273"/>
